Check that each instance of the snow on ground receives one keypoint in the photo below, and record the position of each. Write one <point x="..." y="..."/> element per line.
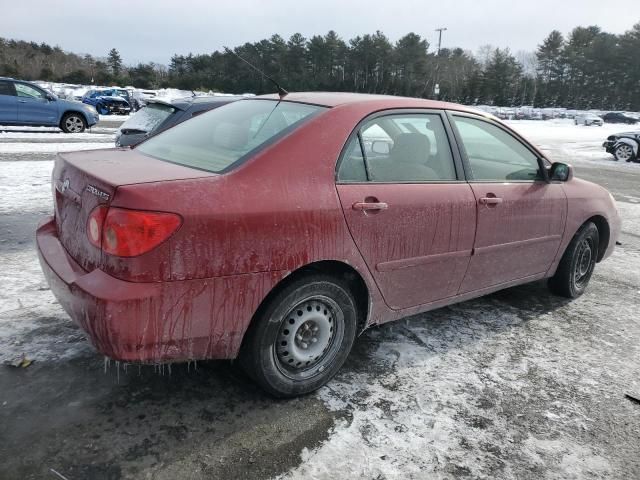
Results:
<point x="579" y="145"/>
<point x="114" y="118"/>
<point x="20" y="147"/>
<point x="55" y="135"/>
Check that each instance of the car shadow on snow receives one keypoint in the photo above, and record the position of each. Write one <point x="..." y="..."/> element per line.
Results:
<point x="459" y="323"/>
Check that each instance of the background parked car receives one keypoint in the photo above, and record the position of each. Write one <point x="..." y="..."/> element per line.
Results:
<point x="588" y="119"/>
<point x="26" y="104"/>
<point x="159" y="115"/>
<point x="624" y="146"/>
<point x="619" y="117"/>
<point x="108" y="101"/>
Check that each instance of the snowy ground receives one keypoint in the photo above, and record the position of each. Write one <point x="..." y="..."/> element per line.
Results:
<point x="519" y="384"/>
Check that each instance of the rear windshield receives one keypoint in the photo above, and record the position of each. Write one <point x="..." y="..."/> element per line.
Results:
<point x="149" y="118"/>
<point x="218" y="139"/>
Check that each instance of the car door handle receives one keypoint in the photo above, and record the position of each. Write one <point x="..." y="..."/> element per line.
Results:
<point x="366" y="206"/>
<point x="22" y="101"/>
<point x="490" y="201"/>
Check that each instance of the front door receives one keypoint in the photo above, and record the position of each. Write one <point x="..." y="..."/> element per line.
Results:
<point x="34" y="107"/>
<point x="8" y="103"/>
<point x="409" y="212"/>
<point x="521" y="217"/>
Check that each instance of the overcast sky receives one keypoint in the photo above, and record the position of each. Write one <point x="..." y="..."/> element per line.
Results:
<point x="153" y="30"/>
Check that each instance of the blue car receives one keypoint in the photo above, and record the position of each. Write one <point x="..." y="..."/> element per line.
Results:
<point x="25" y="104"/>
<point x="108" y="101"/>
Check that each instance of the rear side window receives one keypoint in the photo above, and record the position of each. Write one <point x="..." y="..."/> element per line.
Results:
<point x="149" y="118"/>
<point x="352" y="167"/>
<point x="6" y="88"/>
<point x="494" y="154"/>
<point x="224" y="136"/>
<point x="399" y="148"/>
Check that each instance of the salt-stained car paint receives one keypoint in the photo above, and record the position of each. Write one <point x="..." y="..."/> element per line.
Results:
<point x="246" y="230"/>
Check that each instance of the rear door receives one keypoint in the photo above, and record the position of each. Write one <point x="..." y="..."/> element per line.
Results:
<point x="410" y="213"/>
<point x="521" y="217"/>
<point x="34" y="107"/>
<point x="8" y="102"/>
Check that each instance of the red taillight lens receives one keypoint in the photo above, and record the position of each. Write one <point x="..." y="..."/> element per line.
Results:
<point x="128" y="233"/>
<point x="94" y="225"/>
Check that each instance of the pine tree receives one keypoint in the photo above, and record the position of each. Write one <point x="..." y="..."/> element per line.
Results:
<point x="115" y="62"/>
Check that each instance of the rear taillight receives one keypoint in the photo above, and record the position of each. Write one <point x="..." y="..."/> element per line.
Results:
<point x="128" y="233"/>
<point x="94" y="225"/>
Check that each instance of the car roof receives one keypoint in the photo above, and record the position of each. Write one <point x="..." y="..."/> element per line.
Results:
<point x="335" y="99"/>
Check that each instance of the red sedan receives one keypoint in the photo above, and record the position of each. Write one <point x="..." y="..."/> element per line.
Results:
<point x="277" y="230"/>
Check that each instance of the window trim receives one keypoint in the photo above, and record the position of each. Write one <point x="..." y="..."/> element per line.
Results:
<point x="543" y="162"/>
<point x="12" y="87"/>
<point x="36" y="88"/>
<point x="356" y="132"/>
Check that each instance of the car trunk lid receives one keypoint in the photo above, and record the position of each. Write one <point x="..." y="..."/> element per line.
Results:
<point x="83" y="180"/>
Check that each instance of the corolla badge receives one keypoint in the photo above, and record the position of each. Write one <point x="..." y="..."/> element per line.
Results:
<point x="98" y="193"/>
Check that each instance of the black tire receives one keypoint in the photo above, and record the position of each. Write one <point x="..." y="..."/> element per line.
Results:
<point x="102" y="109"/>
<point x="623" y="152"/>
<point x="577" y="263"/>
<point x="280" y="326"/>
<point x="73" y="123"/>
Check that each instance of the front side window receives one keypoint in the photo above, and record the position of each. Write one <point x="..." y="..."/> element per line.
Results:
<point x="400" y="148"/>
<point x="218" y="139"/>
<point x="28" y="91"/>
<point x="494" y="154"/>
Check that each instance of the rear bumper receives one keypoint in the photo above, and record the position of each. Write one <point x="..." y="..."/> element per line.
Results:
<point x="152" y="322"/>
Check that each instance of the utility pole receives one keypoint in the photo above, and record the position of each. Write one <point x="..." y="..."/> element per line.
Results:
<point x="436" y="87"/>
<point x="440" y="30"/>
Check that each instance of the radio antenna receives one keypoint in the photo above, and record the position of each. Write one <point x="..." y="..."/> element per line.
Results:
<point x="281" y="91"/>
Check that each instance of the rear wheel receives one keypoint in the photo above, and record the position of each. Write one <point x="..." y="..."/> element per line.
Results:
<point x="577" y="264"/>
<point x="73" y="123"/>
<point x="623" y="153"/>
<point x="301" y="338"/>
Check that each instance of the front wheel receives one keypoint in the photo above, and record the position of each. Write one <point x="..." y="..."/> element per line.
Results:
<point x="623" y="153"/>
<point x="577" y="263"/>
<point x="301" y="338"/>
<point x="73" y="123"/>
<point x="102" y="109"/>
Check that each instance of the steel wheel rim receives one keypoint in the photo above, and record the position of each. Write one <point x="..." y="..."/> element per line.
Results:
<point x="624" y="152"/>
<point x="309" y="337"/>
<point x="584" y="263"/>
<point x="73" y="124"/>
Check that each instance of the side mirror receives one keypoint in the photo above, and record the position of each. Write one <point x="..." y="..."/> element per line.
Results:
<point x="50" y="97"/>
<point x="560" y="172"/>
<point x="380" y="147"/>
